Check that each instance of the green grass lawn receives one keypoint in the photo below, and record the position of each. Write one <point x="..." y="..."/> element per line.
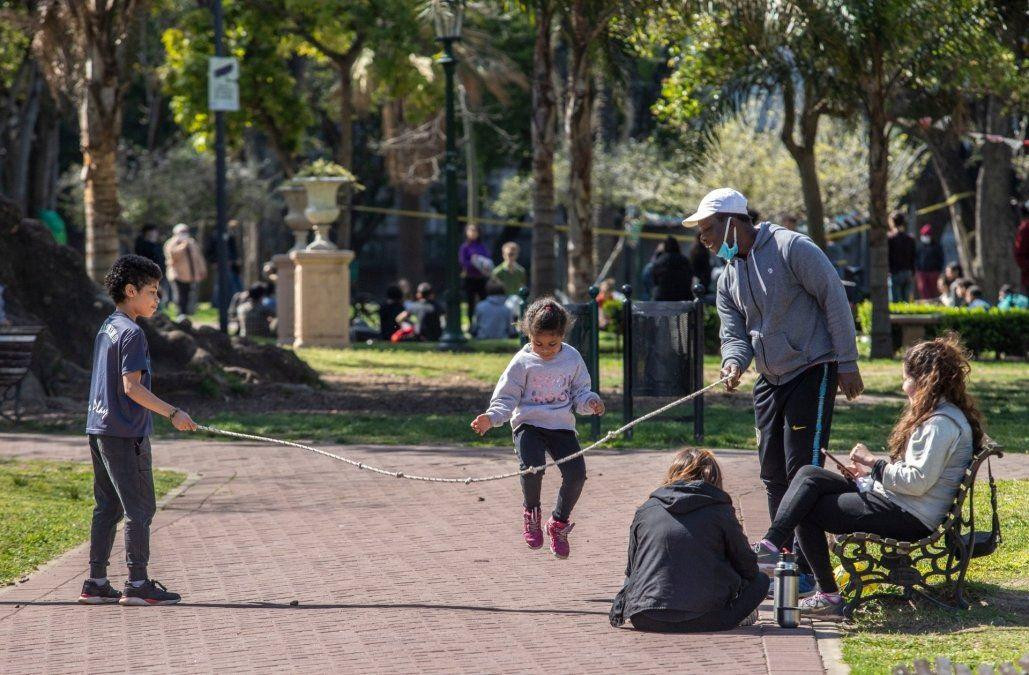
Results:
<point x="204" y="313"/>
<point x="725" y="428"/>
<point x="1002" y="390"/>
<point x="995" y="629"/>
<point x="45" y="509"/>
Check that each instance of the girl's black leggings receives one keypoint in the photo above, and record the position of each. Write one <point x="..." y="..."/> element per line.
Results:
<point x="533" y="444"/>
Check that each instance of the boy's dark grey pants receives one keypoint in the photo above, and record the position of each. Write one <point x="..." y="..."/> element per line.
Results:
<point x="123" y="484"/>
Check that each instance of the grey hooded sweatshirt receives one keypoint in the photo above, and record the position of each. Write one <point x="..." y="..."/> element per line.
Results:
<point x="784" y="307"/>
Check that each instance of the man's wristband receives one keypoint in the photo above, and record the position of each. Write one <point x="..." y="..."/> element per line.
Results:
<point x="174" y="412"/>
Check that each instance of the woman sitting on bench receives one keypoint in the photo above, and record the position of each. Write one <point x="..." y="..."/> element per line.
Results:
<point x="903" y="498"/>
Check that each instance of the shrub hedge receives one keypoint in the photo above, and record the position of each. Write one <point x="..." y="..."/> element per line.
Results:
<point x="1004" y="332"/>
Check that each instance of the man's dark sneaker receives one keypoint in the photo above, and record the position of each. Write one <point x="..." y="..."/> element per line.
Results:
<point x="92" y="594"/>
<point x="152" y="592"/>
<point x="767" y="559"/>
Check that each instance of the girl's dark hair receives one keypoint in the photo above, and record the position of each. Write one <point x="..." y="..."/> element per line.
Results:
<point x="130" y="269"/>
<point x="690" y="464"/>
<point x="940" y="369"/>
<point x="545" y="315"/>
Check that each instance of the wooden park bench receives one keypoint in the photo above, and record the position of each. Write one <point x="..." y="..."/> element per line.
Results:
<point x="934" y="567"/>
<point x="912" y="327"/>
<point x="16" y="343"/>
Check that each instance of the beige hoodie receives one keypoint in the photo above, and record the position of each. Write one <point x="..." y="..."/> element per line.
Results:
<point x="184" y="260"/>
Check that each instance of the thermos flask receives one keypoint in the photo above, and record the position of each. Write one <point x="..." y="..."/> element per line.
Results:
<point x="787" y="614"/>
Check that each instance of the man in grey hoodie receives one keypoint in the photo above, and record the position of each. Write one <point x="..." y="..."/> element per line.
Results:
<point x="783" y="306"/>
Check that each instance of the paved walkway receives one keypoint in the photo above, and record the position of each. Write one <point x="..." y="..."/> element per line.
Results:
<point x="389" y="575"/>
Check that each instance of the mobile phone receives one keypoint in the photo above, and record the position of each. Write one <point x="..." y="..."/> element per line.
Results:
<point x="843" y="467"/>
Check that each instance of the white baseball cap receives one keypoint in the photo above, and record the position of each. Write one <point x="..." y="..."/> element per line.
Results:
<point x="722" y="200"/>
<point x="180" y="228"/>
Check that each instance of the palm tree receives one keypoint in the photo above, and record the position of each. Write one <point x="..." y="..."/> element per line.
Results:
<point x="84" y="48"/>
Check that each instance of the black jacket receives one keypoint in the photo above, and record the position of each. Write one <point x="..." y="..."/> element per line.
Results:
<point x="929" y="257"/>
<point x="900" y="252"/>
<point x="150" y="249"/>
<point x="687" y="553"/>
<point x="673" y="277"/>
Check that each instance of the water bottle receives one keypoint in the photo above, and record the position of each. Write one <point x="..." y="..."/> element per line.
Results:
<point x="787" y="614"/>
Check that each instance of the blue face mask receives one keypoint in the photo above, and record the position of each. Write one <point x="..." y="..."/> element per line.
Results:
<point x="725" y="252"/>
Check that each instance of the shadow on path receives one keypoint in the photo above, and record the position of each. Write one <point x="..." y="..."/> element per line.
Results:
<point x="278" y="605"/>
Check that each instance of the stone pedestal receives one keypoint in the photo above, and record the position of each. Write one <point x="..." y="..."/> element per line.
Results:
<point x="321" y="298"/>
<point x="284" y="294"/>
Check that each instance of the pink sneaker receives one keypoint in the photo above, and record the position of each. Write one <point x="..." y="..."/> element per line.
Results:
<point x="531" y="532"/>
<point x="558" y="533"/>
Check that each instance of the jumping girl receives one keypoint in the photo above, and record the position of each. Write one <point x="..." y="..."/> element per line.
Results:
<point x="543" y="386"/>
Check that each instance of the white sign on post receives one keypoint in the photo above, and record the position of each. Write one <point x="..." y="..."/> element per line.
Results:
<point x="223" y="84"/>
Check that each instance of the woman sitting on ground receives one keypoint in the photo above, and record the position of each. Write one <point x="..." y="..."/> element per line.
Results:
<point x="904" y="498"/>
<point x="690" y="566"/>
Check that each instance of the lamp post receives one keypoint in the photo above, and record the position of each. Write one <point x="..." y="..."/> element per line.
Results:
<point x="448" y="16"/>
<point x="221" y="231"/>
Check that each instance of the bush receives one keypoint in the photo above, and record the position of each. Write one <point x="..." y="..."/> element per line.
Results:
<point x="1004" y="332"/>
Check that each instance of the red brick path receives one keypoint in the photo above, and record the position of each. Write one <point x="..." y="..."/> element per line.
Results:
<point x="390" y="575"/>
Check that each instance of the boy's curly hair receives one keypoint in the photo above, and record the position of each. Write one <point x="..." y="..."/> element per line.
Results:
<point x="130" y="269"/>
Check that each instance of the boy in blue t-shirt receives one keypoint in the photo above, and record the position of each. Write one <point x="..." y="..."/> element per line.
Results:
<point x="119" y="426"/>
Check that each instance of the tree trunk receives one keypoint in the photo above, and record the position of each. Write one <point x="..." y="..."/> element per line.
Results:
<point x="605" y="214"/>
<point x="345" y="151"/>
<point x="878" y="171"/>
<point x="803" y="154"/>
<point x="543" y="266"/>
<point x="995" y="220"/>
<point x="410" y="238"/>
<point x="950" y="163"/>
<point x="19" y="135"/>
<point x="471" y="162"/>
<point x="812" y="191"/>
<point x="100" y="127"/>
<point x="44" y="169"/>
<point x="579" y="128"/>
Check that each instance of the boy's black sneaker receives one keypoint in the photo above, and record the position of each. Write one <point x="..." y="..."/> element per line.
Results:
<point x="92" y="594"/>
<point x="152" y="592"/>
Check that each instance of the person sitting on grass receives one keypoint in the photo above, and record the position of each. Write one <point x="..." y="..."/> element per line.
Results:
<point x="493" y="318"/>
<point x="252" y="314"/>
<point x="975" y="299"/>
<point x="1009" y="299"/>
<point x="389" y="311"/>
<point x="690" y="567"/>
<point x="426" y="312"/>
<point x="118" y="425"/>
<point x="905" y="497"/>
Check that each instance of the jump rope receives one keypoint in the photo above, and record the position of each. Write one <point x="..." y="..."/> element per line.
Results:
<point x="467" y="480"/>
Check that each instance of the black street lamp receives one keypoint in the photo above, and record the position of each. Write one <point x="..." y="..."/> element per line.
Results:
<point x="448" y="16"/>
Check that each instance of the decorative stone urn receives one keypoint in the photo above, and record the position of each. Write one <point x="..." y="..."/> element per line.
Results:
<point x="296" y="202"/>
<point x="321" y="207"/>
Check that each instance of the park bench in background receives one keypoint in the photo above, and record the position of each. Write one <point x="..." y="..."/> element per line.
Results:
<point x="944" y="555"/>
<point x="912" y="327"/>
<point x="16" y="343"/>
